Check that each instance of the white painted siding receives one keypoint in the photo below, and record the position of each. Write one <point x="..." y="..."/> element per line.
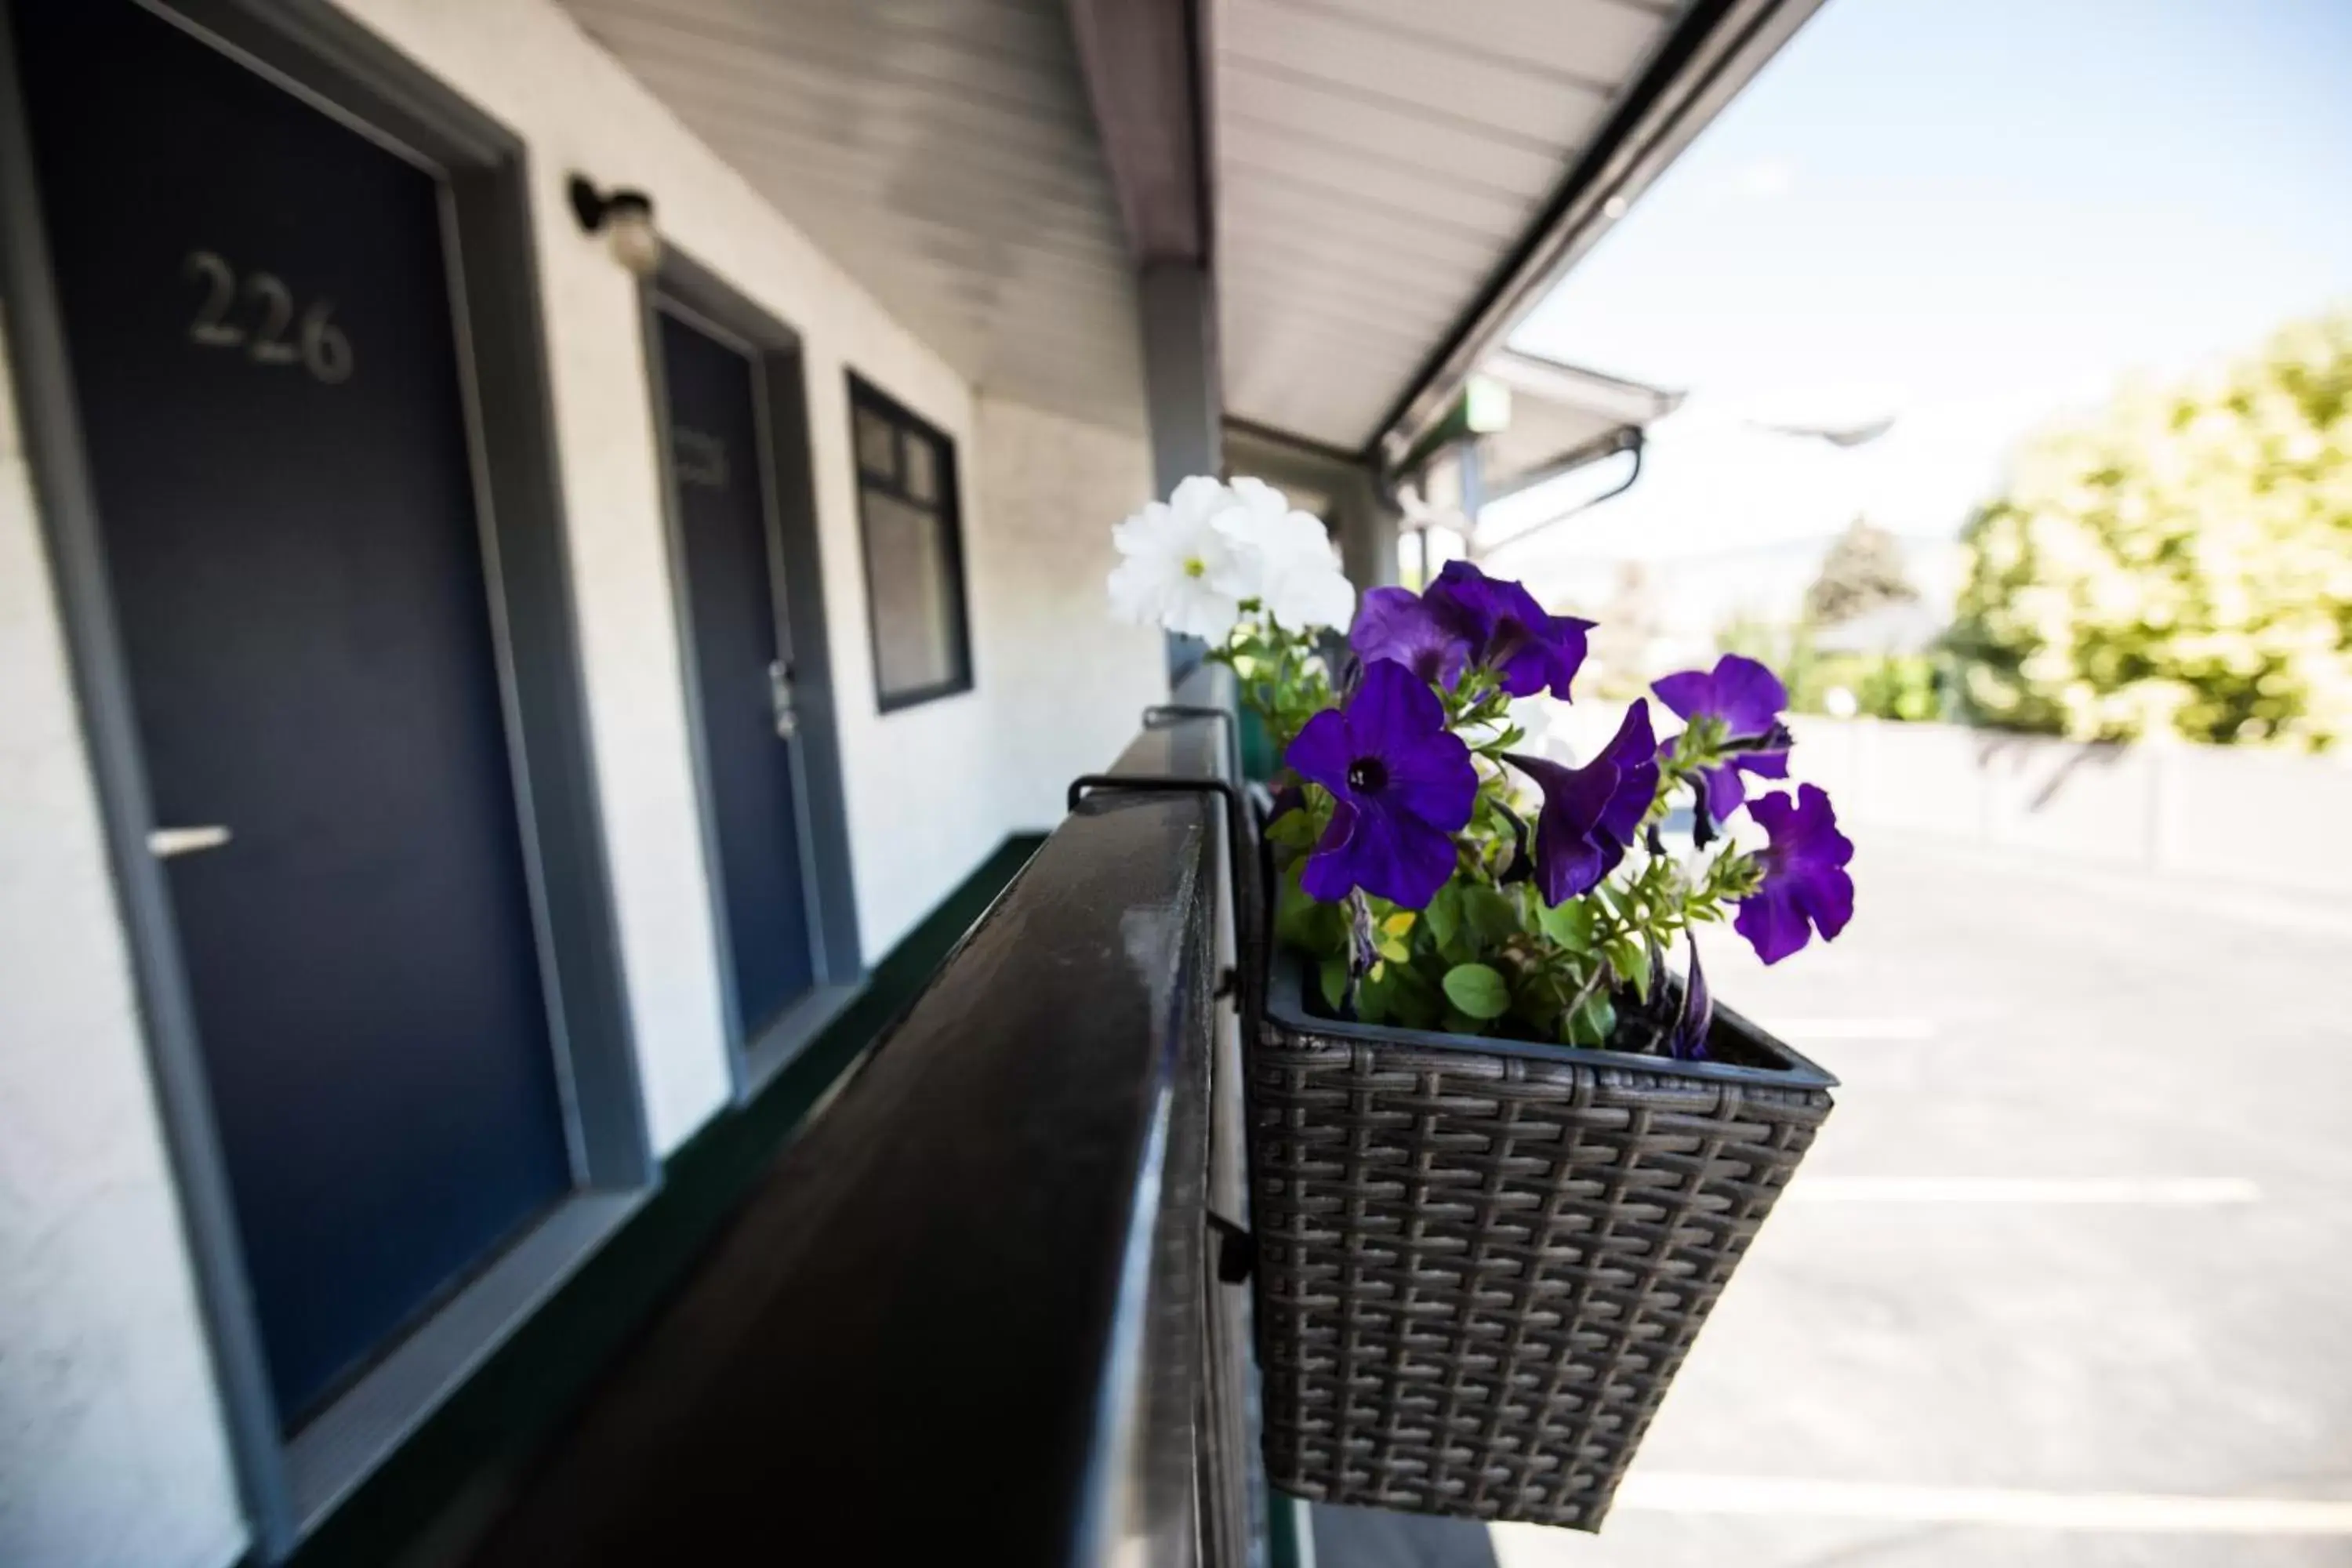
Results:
<point x="111" y="1450"/>
<point x="110" y="1443"/>
<point x="1070" y="686"/>
<point x="924" y="790"/>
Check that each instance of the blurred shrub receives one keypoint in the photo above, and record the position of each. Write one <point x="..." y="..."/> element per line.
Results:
<point x="1884" y="685"/>
<point x="1862" y="572"/>
<point x="1908" y="687"/>
<point x="2182" y="562"/>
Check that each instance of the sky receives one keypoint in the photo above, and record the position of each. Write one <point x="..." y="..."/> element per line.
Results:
<point x="1971" y="214"/>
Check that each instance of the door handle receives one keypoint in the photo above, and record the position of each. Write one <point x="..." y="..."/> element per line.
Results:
<point x="167" y="843"/>
<point x="780" y="700"/>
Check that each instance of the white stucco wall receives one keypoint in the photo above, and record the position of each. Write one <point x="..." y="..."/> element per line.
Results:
<point x="111" y="1450"/>
<point x="110" y="1442"/>
<point x="913" y="829"/>
<point x="932" y="789"/>
<point x="1069" y="685"/>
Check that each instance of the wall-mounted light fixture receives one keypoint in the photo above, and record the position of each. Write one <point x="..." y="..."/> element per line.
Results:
<point x="627" y="220"/>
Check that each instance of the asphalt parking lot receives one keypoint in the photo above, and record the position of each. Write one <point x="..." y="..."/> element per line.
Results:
<point x="2068" y="1278"/>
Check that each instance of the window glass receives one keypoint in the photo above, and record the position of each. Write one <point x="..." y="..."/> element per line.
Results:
<point x="921" y="468"/>
<point x="914" y="626"/>
<point x="876" y="444"/>
<point x="914" y="560"/>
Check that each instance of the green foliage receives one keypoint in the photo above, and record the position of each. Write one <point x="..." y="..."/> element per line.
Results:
<point x="1282" y="678"/>
<point x="1333" y="973"/>
<point x="1487" y="956"/>
<point x="1883" y="685"/>
<point x="1903" y="686"/>
<point x="1478" y="991"/>
<point x="1571" y="924"/>
<point x="1442" y="919"/>
<point x="1301" y="922"/>
<point x="1493" y="917"/>
<point x="1862" y="572"/>
<point x="1892" y="685"/>
<point x="2181" y="563"/>
<point x="1593" y="1021"/>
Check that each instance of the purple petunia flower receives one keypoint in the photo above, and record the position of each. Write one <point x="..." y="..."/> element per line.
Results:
<point x="1403" y="783"/>
<point x="1687" y="1040"/>
<point x="1398" y="624"/>
<point x="1805" y="880"/>
<point x="1528" y="647"/>
<point x="1591" y="814"/>
<point x="1745" y="698"/>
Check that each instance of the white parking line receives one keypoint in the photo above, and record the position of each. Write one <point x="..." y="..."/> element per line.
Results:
<point x="2124" y="1512"/>
<point x="1811" y="1031"/>
<point x="2186" y="1192"/>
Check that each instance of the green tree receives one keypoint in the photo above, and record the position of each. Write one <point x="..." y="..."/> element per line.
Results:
<point x="1862" y="572"/>
<point x="2179" y="562"/>
<point x="1906" y="686"/>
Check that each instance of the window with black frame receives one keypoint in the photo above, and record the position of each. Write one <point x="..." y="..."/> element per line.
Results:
<point x="914" y="550"/>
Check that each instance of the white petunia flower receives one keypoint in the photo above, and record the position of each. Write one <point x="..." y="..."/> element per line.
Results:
<point x="1286" y="559"/>
<point x="1179" y="571"/>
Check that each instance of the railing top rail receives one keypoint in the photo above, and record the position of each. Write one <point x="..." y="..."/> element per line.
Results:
<point x="967" y="1297"/>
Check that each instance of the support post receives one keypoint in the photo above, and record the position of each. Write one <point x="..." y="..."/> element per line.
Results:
<point x="1178" y="301"/>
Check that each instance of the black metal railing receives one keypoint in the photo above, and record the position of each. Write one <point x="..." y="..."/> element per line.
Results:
<point x="975" y="1306"/>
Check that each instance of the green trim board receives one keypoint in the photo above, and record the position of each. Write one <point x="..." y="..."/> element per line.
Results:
<point x="428" y="1501"/>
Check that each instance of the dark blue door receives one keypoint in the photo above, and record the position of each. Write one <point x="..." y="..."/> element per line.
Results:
<point x="259" y="314"/>
<point x="741" y="664"/>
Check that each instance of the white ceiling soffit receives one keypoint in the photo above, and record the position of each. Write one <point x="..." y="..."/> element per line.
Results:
<point x="1397" y="180"/>
<point x="944" y="155"/>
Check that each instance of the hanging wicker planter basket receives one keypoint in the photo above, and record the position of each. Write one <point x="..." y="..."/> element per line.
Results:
<point x="1480" y="1262"/>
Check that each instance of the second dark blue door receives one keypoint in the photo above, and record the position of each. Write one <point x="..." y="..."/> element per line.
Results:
<point x="741" y="665"/>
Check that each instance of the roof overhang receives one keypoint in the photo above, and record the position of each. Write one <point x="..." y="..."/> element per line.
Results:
<point x="1381" y="189"/>
<point x="1561" y="418"/>
<point x="1396" y="185"/>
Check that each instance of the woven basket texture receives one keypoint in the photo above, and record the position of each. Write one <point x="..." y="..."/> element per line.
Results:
<point x="1478" y="1272"/>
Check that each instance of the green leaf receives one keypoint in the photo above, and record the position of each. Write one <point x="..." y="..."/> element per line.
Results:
<point x="1477" y="990"/>
<point x="1392" y="948"/>
<point x="1592" y="1024"/>
<point x="1334" y="974"/>
<point x="1418" y="1004"/>
<point x="1631" y="959"/>
<point x="1301" y="922"/>
<point x="1489" y="914"/>
<point x="1294" y="829"/>
<point x="1537" y="1001"/>
<point x="1571" y="924"/>
<point x="1444" y="915"/>
<point x="1457" y="1022"/>
<point x="1397" y="924"/>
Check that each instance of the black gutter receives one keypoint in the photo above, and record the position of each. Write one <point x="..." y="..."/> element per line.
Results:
<point x="1601" y="448"/>
<point x="1628" y="440"/>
